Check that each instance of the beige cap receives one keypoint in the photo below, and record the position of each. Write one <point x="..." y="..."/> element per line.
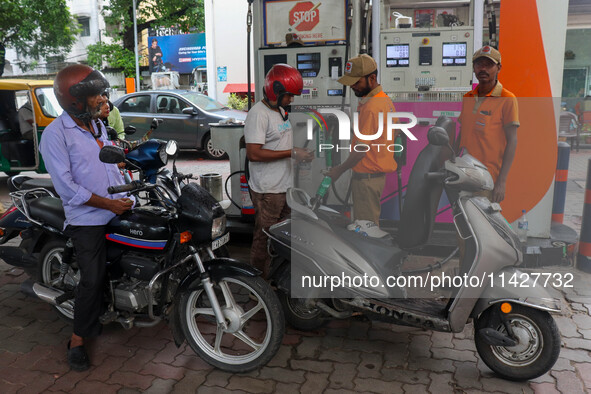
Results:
<point x="489" y="52"/>
<point x="356" y="68"/>
<point x="292" y="39"/>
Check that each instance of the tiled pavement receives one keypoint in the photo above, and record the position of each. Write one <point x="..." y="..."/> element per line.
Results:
<point x="346" y="356"/>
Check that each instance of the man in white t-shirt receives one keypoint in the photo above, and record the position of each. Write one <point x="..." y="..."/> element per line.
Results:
<point x="268" y="137"/>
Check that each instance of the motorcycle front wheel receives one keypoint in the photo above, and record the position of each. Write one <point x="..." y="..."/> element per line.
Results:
<point x="254" y="319"/>
<point x="537" y="348"/>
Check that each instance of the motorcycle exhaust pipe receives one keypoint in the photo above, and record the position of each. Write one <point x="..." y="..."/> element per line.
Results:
<point x="41" y="291"/>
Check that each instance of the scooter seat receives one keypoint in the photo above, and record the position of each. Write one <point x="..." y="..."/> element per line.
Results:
<point x="34" y="183"/>
<point x="383" y="253"/>
<point x="48" y="210"/>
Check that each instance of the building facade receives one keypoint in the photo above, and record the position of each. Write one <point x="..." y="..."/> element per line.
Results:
<point x="92" y="24"/>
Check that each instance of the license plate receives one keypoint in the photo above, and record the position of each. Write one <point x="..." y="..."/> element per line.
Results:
<point x="220" y="241"/>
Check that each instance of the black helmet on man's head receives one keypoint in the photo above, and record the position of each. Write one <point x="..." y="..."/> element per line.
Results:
<point x="74" y="84"/>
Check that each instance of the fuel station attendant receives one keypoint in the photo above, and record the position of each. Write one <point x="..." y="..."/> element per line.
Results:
<point x="369" y="168"/>
<point x="489" y="120"/>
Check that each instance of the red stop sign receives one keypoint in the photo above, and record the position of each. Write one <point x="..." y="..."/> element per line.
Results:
<point x="304" y="16"/>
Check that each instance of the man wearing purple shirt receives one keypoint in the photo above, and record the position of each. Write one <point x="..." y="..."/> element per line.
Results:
<point x="70" y="147"/>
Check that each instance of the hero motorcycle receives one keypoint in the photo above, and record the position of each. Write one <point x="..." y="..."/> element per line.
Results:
<point x="162" y="265"/>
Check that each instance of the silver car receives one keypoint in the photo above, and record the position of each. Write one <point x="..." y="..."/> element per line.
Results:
<point x="186" y="116"/>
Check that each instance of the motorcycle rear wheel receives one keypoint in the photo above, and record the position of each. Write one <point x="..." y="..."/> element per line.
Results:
<point x="256" y="324"/>
<point x="537" y="349"/>
<point x="50" y="259"/>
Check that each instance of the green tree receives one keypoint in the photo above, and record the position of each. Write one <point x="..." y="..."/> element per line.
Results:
<point x="235" y="102"/>
<point x="186" y="15"/>
<point x="113" y="54"/>
<point x="37" y="28"/>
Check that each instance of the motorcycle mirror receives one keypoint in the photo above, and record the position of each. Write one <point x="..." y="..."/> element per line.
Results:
<point x="129" y="130"/>
<point x="155" y="123"/>
<point x="112" y="154"/>
<point x="171" y="148"/>
<point x="112" y="133"/>
<point x="437" y="136"/>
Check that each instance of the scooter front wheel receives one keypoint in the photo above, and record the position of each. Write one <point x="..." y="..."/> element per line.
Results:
<point x="254" y="320"/>
<point x="537" y="348"/>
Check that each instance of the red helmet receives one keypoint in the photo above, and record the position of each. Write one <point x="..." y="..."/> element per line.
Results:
<point x="74" y="84"/>
<point x="282" y="79"/>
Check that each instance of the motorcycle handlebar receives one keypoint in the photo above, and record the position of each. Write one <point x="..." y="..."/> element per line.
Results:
<point x="128" y="187"/>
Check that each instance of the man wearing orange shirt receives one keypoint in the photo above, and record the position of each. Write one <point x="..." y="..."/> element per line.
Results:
<point x="369" y="168"/>
<point x="489" y="120"/>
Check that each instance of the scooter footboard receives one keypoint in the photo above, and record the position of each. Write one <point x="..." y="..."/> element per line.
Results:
<point x="519" y="287"/>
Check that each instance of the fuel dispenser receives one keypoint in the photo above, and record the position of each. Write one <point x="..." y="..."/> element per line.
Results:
<point x="324" y="28"/>
<point x="425" y="70"/>
<point x="427" y="60"/>
<point x="424" y="53"/>
<point x="425" y="67"/>
<point x="425" y="64"/>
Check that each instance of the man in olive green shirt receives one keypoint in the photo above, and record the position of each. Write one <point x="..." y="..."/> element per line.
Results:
<point x="116" y="122"/>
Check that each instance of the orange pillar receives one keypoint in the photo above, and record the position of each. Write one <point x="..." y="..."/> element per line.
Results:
<point x="129" y="85"/>
<point x="525" y="73"/>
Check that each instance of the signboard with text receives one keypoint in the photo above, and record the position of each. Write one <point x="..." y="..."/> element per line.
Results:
<point x="182" y="52"/>
<point x="222" y="74"/>
<point x="314" y="21"/>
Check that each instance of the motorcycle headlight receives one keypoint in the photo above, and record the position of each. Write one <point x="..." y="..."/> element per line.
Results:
<point x="219" y="227"/>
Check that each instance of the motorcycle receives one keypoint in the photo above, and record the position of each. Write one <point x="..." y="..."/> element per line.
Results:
<point x="162" y="264"/>
<point x="314" y="250"/>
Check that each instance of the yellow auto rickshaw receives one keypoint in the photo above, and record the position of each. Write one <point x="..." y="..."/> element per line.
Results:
<point x="26" y="107"/>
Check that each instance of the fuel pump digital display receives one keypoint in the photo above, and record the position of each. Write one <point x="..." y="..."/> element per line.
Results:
<point x="334" y="92"/>
<point x="308" y="64"/>
<point x="454" y="53"/>
<point x="397" y="55"/>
